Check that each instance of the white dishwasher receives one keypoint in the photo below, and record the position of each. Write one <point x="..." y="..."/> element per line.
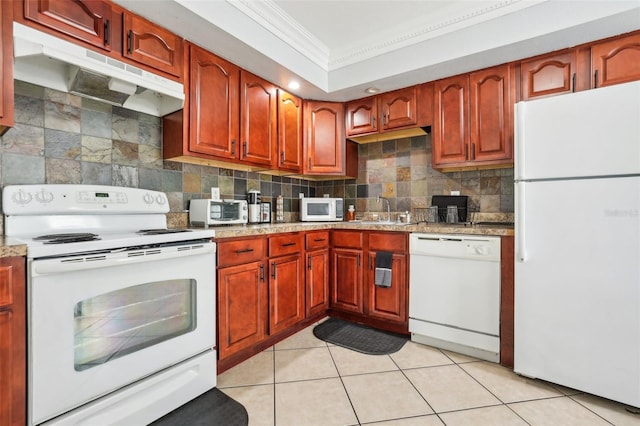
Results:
<point x="454" y="293"/>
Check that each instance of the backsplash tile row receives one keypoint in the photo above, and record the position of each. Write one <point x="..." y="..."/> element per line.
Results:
<point x="63" y="138"/>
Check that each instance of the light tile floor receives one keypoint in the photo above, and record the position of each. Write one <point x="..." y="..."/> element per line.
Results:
<point x="305" y="381"/>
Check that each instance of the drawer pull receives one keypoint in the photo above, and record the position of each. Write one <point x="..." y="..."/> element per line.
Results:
<point x="247" y="250"/>
<point x="317" y="240"/>
<point x="288" y="244"/>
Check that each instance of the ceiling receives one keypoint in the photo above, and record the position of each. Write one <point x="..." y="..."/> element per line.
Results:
<point x="336" y="49"/>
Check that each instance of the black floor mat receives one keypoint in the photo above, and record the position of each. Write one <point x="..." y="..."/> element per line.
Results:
<point x="212" y="408"/>
<point x="358" y="337"/>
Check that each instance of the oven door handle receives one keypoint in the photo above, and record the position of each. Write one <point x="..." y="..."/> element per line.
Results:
<point x="105" y="260"/>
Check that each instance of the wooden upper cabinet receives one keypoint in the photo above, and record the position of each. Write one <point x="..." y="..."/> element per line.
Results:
<point x="152" y="45"/>
<point x="6" y="64"/>
<point x="290" y="129"/>
<point x="474" y="113"/>
<point x="324" y="139"/>
<point x="491" y="110"/>
<point x="551" y="75"/>
<point x="86" y="20"/>
<point x="213" y="105"/>
<point x="258" y="118"/>
<point x="398" y="108"/>
<point x="362" y="116"/>
<point x="450" y="139"/>
<point x="616" y="61"/>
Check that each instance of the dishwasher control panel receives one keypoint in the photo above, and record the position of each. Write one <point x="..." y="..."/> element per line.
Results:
<point x="456" y="246"/>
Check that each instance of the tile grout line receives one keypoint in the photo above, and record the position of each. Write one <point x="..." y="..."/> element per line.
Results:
<point x="355" y="413"/>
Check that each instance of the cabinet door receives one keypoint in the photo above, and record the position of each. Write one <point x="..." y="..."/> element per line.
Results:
<point x="398" y="108"/>
<point x="242" y="307"/>
<point x="551" y="75"/>
<point x="6" y="66"/>
<point x="213" y="105"/>
<point x="388" y="303"/>
<point x="317" y="281"/>
<point x="450" y="140"/>
<point x="324" y="140"/>
<point x="616" y="61"/>
<point x="258" y="120"/>
<point x="491" y="110"/>
<point x="86" y="20"/>
<point x="361" y="116"/>
<point x="347" y="284"/>
<point x="286" y="292"/>
<point x="13" y="332"/>
<point x="152" y="45"/>
<point x="290" y="128"/>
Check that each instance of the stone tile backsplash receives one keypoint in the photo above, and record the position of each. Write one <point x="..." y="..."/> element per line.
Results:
<point x="63" y="138"/>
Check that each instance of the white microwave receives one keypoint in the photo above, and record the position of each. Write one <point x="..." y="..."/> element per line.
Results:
<point x="321" y="209"/>
<point x="218" y="212"/>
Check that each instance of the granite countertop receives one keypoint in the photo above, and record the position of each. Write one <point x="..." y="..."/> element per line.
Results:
<point x="433" y="228"/>
<point x="10" y="247"/>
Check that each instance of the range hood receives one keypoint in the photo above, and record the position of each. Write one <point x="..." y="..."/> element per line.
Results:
<point x="48" y="61"/>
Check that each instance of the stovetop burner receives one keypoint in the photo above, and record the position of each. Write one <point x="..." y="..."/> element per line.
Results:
<point x="75" y="237"/>
<point x="160" y="231"/>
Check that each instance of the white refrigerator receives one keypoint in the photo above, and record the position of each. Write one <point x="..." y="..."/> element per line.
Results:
<point x="577" y="235"/>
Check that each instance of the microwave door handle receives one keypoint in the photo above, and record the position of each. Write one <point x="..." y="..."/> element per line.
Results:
<point x="332" y="209"/>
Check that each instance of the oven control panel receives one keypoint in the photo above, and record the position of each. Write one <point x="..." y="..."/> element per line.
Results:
<point x="81" y="199"/>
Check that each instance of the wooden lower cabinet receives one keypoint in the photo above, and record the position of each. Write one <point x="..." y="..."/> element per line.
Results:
<point x="286" y="282"/>
<point x="242" y="307"/>
<point x="13" y="343"/>
<point x="317" y="263"/>
<point x="354" y="294"/>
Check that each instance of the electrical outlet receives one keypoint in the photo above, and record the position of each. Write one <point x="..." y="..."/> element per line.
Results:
<point x="455" y="192"/>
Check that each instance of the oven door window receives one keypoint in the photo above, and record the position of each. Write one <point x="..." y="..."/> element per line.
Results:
<point x="115" y="324"/>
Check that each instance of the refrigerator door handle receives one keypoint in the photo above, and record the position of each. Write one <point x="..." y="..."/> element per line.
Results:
<point x="520" y="241"/>
<point x="519" y="140"/>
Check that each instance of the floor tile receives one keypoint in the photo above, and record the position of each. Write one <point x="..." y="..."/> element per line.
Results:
<point x="448" y="388"/>
<point x="304" y="364"/>
<point x="430" y="420"/>
<point x="485" y="416"/>
<point x="302" y="339"/>
<point x="415" y="355"/>
<point x="459" y="358"/>
<point x="384" y="396"/>
<point x="315" y="402"/>
<point x="556" y="411"/>
<point x="507" y="385"/>
<point x="351" y="362"/>
<point x="256" y="370"/>
<point x="258" y="401"/>
<point x="612" y="411"/>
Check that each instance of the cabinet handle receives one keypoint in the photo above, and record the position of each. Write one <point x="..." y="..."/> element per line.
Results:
<point x="233" y="147"/>
<point x="310" y="262"/>
<point x="309" y="163"/>
<point x="273" y="270"/>
<point x="107" y="32"/>
<point x="358" y="260"/>
<point x="384" y="119"/>
<point x="317" y="240"/>
<point x="466" y="152"/>
<point x="288" y="244"/>
<point x="261" y="272"/>
<point x="573" y="82"/>
<point x="244" y="149"/>
<point x="130" y="41"/>
<point x="473" y="150"/>
<point x="247" y="250"/>
<point x="282" y="157"/>
<point x="595" y="80"/>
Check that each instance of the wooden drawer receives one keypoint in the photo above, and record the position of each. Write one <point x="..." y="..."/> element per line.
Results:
<point x="347" y="239"/>
<point x="280" y="245"/>
<point x="316" y="240"/>
<point x="395" y="242"/>
<point x="238" y="252"/>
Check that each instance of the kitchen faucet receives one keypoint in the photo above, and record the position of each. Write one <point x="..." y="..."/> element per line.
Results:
<point x="388" y="207"/>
